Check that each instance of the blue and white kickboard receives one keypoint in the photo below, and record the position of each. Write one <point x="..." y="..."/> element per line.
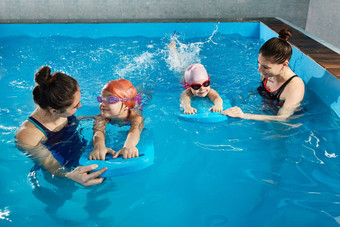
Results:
<point x="120" y="166"/>
<point x="203" y="114"/>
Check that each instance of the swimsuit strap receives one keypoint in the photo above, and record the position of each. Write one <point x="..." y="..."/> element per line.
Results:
<point x="127" y="117"/>
<point x="40" y="126"/>
<point x="283" y="86"/>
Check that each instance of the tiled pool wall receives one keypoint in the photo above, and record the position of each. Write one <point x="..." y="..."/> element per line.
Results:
<point x="320" y="72"/>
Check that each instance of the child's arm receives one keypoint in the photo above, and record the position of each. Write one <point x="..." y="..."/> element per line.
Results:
<point x="186" y="102"/>
<point x="99" y="148"/>
<point x="173" y="54"/>
<point x="217" y="100"/>
<point x="129" y="150"/>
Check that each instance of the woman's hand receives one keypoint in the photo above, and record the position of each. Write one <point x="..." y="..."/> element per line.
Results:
<point x="234" y="112"/>
<point x="100" y="153"/>
<point x="82" y="176"/>
<point x="127" y="152"/>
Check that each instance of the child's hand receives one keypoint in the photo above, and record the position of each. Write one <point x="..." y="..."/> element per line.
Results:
<point x="127" y="152"/>
<point x="190" y="110"/>
<point x="99" y="154"/>
<point x="216" y="108"/>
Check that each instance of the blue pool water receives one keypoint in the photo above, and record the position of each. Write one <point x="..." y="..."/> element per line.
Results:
<point x="234" y="173"/>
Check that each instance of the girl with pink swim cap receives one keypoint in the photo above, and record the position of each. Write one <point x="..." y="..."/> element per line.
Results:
<point x="197" y="83"/>
<point x="117" y="100"/>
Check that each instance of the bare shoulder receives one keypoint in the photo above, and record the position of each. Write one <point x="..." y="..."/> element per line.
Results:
<point x="29" y="134"/>
<point x="136" y="117"/>
<point x="213" y="93"/>
<point x="186" y="92"/>
<point x="298" y="80"/>
<point x="294" y="91"/>
<point x="99" y="123"/>
<point x="296" y="84"/>
<point x="137" y="121"/>
<point x="99" y="118"/>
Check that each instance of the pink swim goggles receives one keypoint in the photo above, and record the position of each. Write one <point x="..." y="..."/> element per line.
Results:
<point x="114" y="99"/>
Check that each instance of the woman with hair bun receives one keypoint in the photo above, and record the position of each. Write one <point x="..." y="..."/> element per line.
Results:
<point x="280" y="85"/>
<point x="49" y="136"/>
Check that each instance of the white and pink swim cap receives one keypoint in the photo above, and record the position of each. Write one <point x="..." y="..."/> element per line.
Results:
<point x="194" y="73"/>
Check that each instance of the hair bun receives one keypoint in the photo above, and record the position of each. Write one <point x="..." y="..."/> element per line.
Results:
<point x="43" y="76"/>
<point x="285" y="34"/>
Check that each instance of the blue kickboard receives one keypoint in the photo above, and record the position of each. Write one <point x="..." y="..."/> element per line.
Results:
<point x="203" y="114"/>
<point x="120" y="166"/>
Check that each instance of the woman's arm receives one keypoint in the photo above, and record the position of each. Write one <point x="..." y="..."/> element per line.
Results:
<point x="293" y="95"/>
<point x="186" y="102"/>
<point x="236" y="112"/>
<point x="217" y="100"/>
<point x="28" y="140"/>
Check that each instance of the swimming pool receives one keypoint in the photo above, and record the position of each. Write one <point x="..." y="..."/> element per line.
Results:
<point x="236" y="173"/>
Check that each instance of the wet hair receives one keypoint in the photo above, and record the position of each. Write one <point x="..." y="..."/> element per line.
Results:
<point x="122" y="88"/>
<point x="54" y="90"/>
<point x="278" y="50"/>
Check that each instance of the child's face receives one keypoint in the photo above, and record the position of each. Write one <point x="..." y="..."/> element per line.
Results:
<point x="110" y="110"/>
<point x="202" y="91"/>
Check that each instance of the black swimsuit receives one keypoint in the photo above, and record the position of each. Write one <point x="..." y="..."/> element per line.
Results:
<point x="65" y="145"/>
<point x="273" y="95"/>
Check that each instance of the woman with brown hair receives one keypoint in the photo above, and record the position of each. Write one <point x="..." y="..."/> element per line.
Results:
<point x="279" y="83"/>
<point x="49" y="136"/>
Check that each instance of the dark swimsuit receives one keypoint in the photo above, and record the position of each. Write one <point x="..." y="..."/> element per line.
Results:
<point x="273" y="95"/>
<point x="65" y="145"/>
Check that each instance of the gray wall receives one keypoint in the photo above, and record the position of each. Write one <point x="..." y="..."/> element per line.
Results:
<point x="323" y="20"/>
<point x="295" y="11"/>
<point x="319" y="17"/>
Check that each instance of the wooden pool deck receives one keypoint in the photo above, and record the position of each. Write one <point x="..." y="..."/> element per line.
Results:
<point x="327" y="58"/>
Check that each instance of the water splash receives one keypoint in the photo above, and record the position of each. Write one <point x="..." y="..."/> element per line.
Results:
<point x="182" y="55"/>
<point x="137" y="65"/>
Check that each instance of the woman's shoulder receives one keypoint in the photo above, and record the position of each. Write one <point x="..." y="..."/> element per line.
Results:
<point x="29" y="134"/>
<point x="295" y="89"/>
<point x="295" y="82"/>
